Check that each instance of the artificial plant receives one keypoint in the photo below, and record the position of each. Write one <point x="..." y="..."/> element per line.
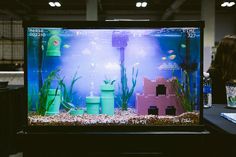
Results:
<point x="109" y="81"/>
<point x="67" y="96"/>
<point x="44" y="91"/>
<point x="126" y="92"/>
<point x="183" y="93"/>
<point x="30" y="101"/>
<point x="31" y="96"/>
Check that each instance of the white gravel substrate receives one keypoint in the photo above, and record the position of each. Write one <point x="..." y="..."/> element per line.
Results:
<point x="119" y="118"/>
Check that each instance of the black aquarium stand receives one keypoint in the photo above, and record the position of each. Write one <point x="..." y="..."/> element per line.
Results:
<point x="126" y="144"/>
<point x="11" y="102"/>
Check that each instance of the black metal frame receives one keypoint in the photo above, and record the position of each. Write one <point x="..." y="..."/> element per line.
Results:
<point x="103" y="25"/>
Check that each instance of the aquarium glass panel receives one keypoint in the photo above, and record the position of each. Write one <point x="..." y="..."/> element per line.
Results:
<point x="80" y="77"/>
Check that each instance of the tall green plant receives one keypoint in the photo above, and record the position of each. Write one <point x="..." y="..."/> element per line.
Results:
<point x="126" y="92"/>
<point x="30" y="101"/>
<point x="44" y="91"/>
<point x="67" y="96"/>
<point x="183" y="93"/>
<point x="31" y="96"/>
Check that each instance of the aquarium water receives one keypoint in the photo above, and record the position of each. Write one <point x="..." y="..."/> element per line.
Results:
<point x="113" y="76"/>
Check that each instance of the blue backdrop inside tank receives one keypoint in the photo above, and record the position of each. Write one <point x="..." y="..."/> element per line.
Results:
<point x="154" y="52"/>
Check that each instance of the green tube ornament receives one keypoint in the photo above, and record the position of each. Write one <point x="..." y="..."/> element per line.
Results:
<point x="53" y="102"/>
<point x="93" y="103"/>
<point x="54" y="44"/>
<point x="107" y="99"/>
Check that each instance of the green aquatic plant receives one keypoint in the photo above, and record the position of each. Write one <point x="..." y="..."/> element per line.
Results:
<point x="67" y="96"/>
<point x="126" y="92"/>
<point x="30" y="102"/>
<point x="183" y="93"/>
<point x="44" y="92"/>
<point x="31" y="98"/>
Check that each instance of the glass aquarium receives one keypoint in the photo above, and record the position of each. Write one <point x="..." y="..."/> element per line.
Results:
<point x="114" y="73"/>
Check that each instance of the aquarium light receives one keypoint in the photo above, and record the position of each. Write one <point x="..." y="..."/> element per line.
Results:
<point x="55" y="4"/>
<point x="227" y="4"/>
<point x="141" y="4"/>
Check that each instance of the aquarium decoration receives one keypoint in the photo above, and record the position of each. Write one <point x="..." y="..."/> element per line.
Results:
<point x="54" y="44"/>
<point x="171" y="110"/>
<point x="183" y="93"/>
<point x="109" y="81"/>
<point x="76" y="112"/>
<point x="120" y="40"/>
<point x="49" y="99"/>
<point x="107" y="97"/>
<point x="150" y="98"/>
<point x="67" y="96"/>
<point x="31" y="98"/>
<point x="30" y="102"/>
<point x="160" y="90"/>
<point x="93" y="104"/>
<point x="153" y="110"/>
<point x="53" y="102"/>
<point x="155" y="69"/>
<point x="127" y="92"/>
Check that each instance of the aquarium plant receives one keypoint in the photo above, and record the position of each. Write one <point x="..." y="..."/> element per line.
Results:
<point x="30" y="102"/>
<point x="67" y="94"/>
<point x="109" y="81"/>
<point x="49" y="99"/>
<point x="120" y="40"/>
<point x="31" y="98"/>
<point x="127" y="92"/>
<point x="183" y="93"/>
<point x="54" y="44"/>
<point x="107" y="97"/>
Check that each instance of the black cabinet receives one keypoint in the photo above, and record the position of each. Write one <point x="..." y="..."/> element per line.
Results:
<point x="11" y="102"/>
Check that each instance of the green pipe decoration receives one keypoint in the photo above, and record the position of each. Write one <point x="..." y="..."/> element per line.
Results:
<point x="92" y="103"/>
<point x="53" y="102"/>
<point x="76" y="112"/>
<point x="107" y="97"/>
<point x="54" y="44"/>
<point x="47" y="96"/>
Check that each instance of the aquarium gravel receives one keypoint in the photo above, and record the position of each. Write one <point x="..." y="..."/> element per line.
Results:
<point x="121" y="117"/>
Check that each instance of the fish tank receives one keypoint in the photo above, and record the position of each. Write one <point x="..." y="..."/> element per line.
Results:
<point x="113" y="74"/>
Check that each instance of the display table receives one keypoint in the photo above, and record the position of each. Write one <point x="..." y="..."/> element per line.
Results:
<point x="218" y="123"/>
